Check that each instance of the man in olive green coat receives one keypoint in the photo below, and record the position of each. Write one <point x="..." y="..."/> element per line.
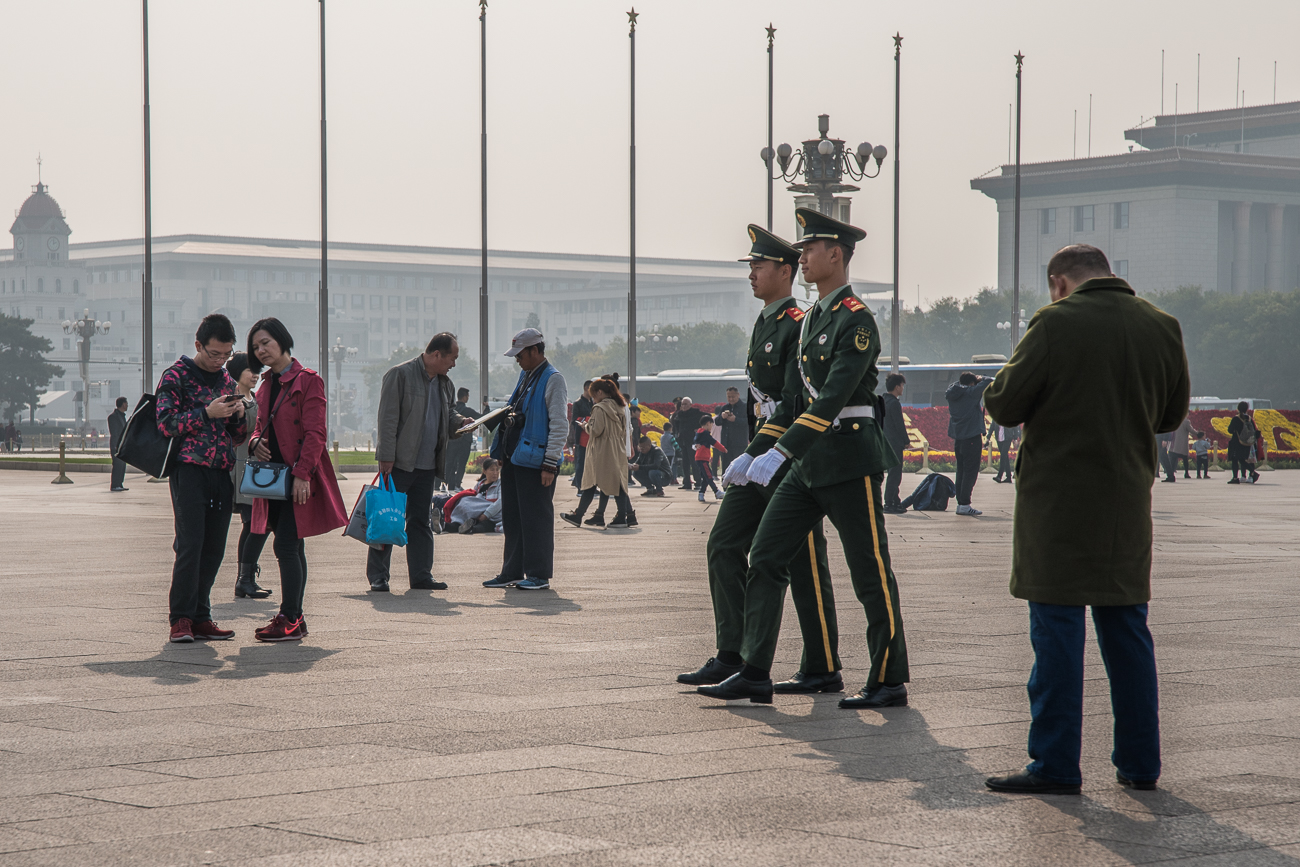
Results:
<point x="1098" y="374"/>
<point x="838" y="454"/>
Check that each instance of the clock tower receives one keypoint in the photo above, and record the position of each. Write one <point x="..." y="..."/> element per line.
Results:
<point x="40" y="232"/>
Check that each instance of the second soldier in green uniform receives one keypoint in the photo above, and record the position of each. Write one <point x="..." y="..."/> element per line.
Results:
<point x="839" y="455"/>
<point x="773" y="389"/>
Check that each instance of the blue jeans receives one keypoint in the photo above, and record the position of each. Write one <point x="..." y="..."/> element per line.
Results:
<point x="1056" y="690"/>
<point x="651" y="479"/>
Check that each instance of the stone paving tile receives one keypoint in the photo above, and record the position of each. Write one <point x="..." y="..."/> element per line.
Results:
<point x="475" y="727"/>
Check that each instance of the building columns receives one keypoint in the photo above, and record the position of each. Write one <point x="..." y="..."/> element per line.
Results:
<point x="1275" y="280"/>
<point x="1241" y="250"/>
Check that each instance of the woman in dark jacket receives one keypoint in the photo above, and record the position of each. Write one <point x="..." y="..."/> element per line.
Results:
<point x="1242" y="427"/>
<point x="291" y="429"/>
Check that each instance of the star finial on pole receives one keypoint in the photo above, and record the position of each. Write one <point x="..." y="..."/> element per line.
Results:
<point x="771" y="33"/>
<point x="898" y="44"/>
<point x="631" y="18"/>
<point x="1020" y="60"/>
<point x="482" y="4"/>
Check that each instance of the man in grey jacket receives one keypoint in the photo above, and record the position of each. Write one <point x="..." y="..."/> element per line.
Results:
<point x="896" y="435"/>
<point x="530" y="448"/>
<point x="966" y="427"/>
<point x="417" y="417"/>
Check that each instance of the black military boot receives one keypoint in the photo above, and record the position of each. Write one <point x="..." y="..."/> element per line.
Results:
<point x="246" y="586"/>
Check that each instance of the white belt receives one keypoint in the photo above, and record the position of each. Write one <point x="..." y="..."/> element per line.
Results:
<point x="854" y="412"/>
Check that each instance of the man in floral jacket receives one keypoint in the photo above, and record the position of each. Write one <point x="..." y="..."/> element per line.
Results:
<point x="199" y="406"/>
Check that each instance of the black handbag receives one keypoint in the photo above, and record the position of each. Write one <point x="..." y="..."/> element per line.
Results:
<point x="145" y="447"/>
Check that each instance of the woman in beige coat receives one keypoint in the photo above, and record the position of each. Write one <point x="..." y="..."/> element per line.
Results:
<point x="606" y="463"/>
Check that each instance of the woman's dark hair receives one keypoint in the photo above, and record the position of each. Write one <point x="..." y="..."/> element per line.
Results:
<point x="238" y="363"/>
<point x="488" y="463"/>
<point x="609" y="389"/>
<point x="1243" y="407"/>
<point x="275" y="328"/>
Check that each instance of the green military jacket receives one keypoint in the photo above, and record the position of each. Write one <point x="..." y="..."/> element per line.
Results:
<point x="839" y="349"/>
<point x="772" y="348"/>
<point x="1096" y="377"/>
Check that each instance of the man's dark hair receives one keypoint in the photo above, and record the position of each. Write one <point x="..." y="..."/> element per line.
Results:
<point x="277" y="332"/>
<point x="120" y="402"/>
<point x="442" y="342"/>
<point x="968" y="378"/>
<point x="587" y="383"/>
<point x="237" y="364"/>
<point x="1243" y="407"/>
<point x="462" y="393"/>
<point x="646" y="441"/>
<point x="1079" y="262"/>
<point x="894" y="380"/>
<point x="848" y="253"/>
<point x="215" y="326"/>
<point x="733" y="388"/>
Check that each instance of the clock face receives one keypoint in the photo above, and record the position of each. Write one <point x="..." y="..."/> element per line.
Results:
<point x="20" y="243"/>
<point x="53" y="243"/>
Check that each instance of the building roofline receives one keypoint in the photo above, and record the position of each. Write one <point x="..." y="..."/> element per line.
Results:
<point x="1250" y="123"/>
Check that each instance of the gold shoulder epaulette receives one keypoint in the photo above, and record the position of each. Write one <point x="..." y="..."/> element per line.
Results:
<point x="854" y="304"/>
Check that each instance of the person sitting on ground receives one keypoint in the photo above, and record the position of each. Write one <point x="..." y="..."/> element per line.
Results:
<point x="480" y="511"/>
<point x="651" y="468"/>
<point x="606" y="465"/>
<point x="704" y="445"/>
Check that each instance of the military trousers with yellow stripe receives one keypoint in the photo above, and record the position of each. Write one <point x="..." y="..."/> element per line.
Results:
<point x="806" y="571"/>
<point x="854" y="507"/>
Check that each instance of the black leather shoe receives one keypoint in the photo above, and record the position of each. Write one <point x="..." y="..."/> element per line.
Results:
<point x="1140" y="785"/>
<point x="736" y="687"/>
<point x="894" y="510"/>
<point x="1025" y="783"/>
<point x="878" y="696"/>
<point x="711" y="672"/>
<point x="827" y="681"/>
<point x="429" y="585"/>
<point x="379" y="586"/>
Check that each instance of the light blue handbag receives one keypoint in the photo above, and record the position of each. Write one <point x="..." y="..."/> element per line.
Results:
<point x="267" y="480"/>
<point x="385" y="515"/>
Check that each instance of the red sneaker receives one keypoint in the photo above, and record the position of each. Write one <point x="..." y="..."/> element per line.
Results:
<point x="182" y="631"/>
<point x="281" y="628"/>
<point x="211" y="631"/>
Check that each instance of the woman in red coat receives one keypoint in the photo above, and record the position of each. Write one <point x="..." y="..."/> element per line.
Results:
<point x="291" y="429"/>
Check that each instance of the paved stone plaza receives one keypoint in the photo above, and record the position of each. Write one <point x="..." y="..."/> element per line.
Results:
<point x="471" y="726"/>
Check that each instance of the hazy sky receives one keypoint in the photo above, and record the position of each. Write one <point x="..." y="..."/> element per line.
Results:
<point x="236" y="113"/>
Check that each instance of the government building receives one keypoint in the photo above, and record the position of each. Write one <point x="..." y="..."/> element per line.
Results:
<point x="1209" y="199"/>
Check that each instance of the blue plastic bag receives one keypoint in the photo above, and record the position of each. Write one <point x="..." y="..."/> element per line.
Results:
<point x="385" y="514"/>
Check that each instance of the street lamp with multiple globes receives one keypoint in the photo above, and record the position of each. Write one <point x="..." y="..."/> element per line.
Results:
<point x="657" y="344"/>
<point x="339" y="354"/>
<point x="823" y="162"/>
<point x="85" y="328"/>
<point x="1006" y="326"/>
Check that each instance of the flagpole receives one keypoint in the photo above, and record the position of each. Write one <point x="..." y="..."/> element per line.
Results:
<point x="1015" y="290"/>
<point x="771" y="38"/>
<point x="322" y="306"/>
<point x="483" y="277"/>
<point x="631" y="295"/>
<point x="893" y="321"/>
<point x="146" y="285"/>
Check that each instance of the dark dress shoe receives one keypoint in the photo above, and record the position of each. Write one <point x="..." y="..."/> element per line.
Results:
<point x="426" y="585"/>
<point x="711" y="672"/>
<point x="826" y="681"/>
<point x="875" y="697"/>
<point x="1140" y="785"/>
<point x="379" y="586"/>
<point x="736" y="687"/>
<point x="1025" y="783"/>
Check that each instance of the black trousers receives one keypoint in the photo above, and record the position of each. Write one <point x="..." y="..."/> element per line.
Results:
<point x="1004" y="459"/>
<point x="418" y="486"/>
<point x="119" y="472"/>
<point x="688" y="464"/>
<point x="620" y="500"/>
<point x="579" y="461"/>
<point x="457" y="458"/>
<point x="893" y="478"/>
<point x="705" y="477"/>
<point x="968" y="451"/>
<point x="250" y="544"/>
<point x="291" y="552"/>
<point x="201" y="498"/>
<point x="528" y="519"/>
<point x="1202" y="465"/>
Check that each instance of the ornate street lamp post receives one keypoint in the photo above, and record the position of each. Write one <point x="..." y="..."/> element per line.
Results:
<point x="85" y="328"/>
<point x="823" y="163"/>
<point x="657" y="344"/>
<point x="339" y="354"/>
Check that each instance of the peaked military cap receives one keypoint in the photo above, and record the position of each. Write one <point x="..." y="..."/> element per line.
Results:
<point x="817" y="225"/>
<point x="764" y="245"/>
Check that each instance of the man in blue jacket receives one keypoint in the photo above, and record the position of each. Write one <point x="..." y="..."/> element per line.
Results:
<point x="530" y="446"/>
<point x="966" y="427"/>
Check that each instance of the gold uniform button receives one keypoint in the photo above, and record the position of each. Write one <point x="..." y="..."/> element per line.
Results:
<point x="751" y="364"/>
<point x="805" y="358"/>
<point x="855" y="425"/>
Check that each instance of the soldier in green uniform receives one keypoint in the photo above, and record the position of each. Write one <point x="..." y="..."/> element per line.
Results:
<point x="773" y="390"/>
<point x="839" y="455"/>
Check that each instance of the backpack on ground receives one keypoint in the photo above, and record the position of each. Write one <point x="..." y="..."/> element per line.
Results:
<point x="932" y="494"/>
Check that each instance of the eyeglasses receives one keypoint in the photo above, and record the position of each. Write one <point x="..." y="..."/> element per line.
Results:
<point x="218" y="356"/>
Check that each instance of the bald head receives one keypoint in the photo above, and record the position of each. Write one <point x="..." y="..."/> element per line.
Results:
<point x="1074" y="265"/>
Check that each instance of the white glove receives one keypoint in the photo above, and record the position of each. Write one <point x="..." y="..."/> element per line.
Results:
<point x="763" y="469"/>
<point x="736" y="471"/>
